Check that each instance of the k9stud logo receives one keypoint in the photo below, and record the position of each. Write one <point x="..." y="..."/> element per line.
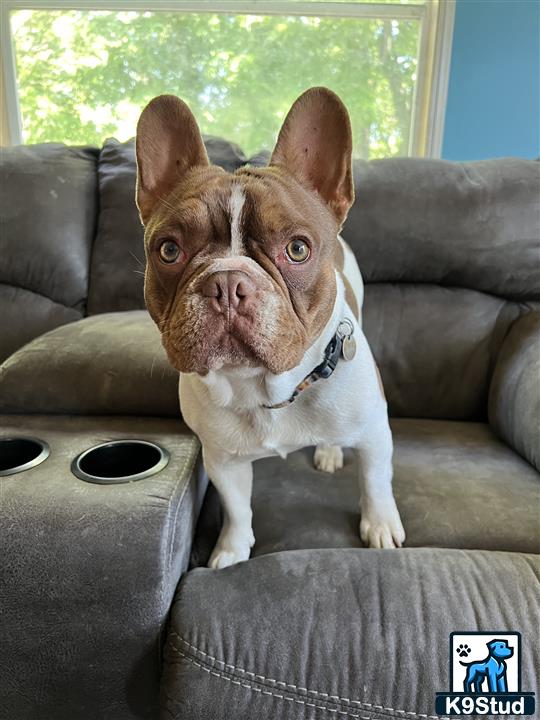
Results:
<point x="485" y="676"/>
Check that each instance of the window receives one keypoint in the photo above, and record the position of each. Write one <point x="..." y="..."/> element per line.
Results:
<point x="80" y="72"/>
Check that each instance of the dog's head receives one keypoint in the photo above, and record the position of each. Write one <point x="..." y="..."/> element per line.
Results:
<point x="500" y="649"/>
<point x="240" y="267"/>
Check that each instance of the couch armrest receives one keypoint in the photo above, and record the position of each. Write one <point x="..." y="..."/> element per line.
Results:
<point x="101" y="365"/>
<point x="90" y="571"/>
<point x="514" y="396"/>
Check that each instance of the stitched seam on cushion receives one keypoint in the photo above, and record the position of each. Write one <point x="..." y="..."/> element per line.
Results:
<point x="262" y="678"/>
<point x="254" y="688"/>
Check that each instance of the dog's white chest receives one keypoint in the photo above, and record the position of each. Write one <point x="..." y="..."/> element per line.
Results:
<point x="264" y="433"/>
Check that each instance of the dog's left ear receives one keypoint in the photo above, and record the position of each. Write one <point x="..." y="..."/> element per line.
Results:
<point x="315" y="146"/>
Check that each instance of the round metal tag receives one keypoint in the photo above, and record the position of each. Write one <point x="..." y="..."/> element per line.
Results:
<point x="348" y="349"/>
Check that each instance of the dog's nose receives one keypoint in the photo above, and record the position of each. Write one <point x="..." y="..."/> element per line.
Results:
<point x="229" y="288"/>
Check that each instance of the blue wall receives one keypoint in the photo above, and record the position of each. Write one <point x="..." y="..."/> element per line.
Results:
<point x="494" y="90"/>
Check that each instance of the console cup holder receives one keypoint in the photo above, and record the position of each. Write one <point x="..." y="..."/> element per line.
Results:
<point x="120" y="461"/>
<point x="21" y="453"/>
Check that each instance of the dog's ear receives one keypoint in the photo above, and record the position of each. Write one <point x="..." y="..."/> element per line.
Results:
<point x="168" y="144"/>
<point x="315" y="146"/>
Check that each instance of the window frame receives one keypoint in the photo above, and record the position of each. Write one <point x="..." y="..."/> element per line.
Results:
<point x="436" y="18"/>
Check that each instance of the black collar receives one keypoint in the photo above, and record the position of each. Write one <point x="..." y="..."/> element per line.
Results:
<point x="332" y="354"/>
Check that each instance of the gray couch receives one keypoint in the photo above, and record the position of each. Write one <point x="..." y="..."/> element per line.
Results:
<point x="108" y="610"/>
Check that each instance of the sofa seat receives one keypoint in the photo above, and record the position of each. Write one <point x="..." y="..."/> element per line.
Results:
<point x="255" y="640"/>
<point x="456" y="484"/>
<point x="339" y="633"/>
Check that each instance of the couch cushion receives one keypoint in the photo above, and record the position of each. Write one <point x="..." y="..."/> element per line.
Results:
<point x="26" y="315"/>
<point x="48" y="206"/>
<point x="473" y="225"/>
<point x="358" y="634"/>
<point x="514" y="397"/>
<point x="118" y="258"/>
<point x="89" y="571"/>
<point x="435" y="347"/>
<point x="110" y="364"/>
<point x="456" y="485"/>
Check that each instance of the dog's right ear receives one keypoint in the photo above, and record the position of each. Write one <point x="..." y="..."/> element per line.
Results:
<point x="168" y="144"/>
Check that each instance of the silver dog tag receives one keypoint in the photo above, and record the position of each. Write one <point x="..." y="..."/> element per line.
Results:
<point x="348" y="349"/>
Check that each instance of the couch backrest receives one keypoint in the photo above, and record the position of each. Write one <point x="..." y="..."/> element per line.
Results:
<point x="48" y="213"/>
<point x="450" y="253"/>
<point x="71" y="243"/>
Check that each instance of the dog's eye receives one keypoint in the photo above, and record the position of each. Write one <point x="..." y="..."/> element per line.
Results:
<point x="297" y="250"/>
<point x="169" y="251"/>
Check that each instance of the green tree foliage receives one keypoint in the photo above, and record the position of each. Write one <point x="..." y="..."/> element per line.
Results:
<point x="84" y="75"/>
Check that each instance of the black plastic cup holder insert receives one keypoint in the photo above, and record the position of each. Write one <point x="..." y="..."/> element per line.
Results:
<point x="120" y="461"/>
<point x="18" y="454"/>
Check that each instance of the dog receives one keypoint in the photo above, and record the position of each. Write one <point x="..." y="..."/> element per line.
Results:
<point x="493" y="668"/>
<point x="258" y="302"/>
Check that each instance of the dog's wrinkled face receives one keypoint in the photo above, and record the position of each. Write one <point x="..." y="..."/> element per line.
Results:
<point x="240" y="267"/>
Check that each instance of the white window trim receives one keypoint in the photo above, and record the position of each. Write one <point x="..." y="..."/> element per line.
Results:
<point x="437" y="24"/>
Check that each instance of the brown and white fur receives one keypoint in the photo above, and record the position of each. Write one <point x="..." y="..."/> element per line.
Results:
<point x="244" y="323"/>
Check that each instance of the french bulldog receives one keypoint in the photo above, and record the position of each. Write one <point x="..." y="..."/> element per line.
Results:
<point x="258" y="301"/>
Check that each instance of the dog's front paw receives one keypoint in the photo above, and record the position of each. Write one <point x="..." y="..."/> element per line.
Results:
<point x="328" y="458"/>
<point x="233" y="546"/>
<point x="381" y="527"/>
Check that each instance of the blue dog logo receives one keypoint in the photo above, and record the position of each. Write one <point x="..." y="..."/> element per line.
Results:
<point x="488" y="686"/>
<point x="492" y="668"/>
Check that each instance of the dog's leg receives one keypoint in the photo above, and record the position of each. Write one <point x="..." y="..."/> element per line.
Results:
<point x="380" y="523"/>
<point x="233" y="481"/>
<point x="492" y="678"/>
<point x="478" y="684"/>
<point x="328" y="458"/>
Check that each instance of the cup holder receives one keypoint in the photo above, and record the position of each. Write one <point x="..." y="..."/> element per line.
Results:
<point x="120" y="461"/>
<point x="21" y="453"/>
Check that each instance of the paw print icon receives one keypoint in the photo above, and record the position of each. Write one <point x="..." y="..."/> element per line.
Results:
<point x="463" y="650"/>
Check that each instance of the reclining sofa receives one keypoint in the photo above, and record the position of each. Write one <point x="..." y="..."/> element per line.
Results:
<point x="108" y="610"/>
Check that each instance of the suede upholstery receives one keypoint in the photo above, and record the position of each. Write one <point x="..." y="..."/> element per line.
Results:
<point x="435" y="347"/>
<point x="48" y="210"/>
<point x="338" y="633"/>
<point x="514" y="399"/>
<point x="128" y="373"/>
<point x="474" y="225"/>
<point x="313" y="626"/>
<point x="89" y="571"/>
